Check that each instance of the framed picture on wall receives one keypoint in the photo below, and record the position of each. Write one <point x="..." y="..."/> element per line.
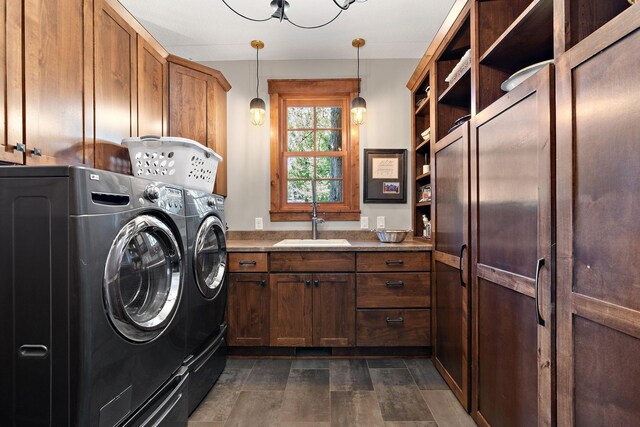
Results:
<point x="385" y="176"/>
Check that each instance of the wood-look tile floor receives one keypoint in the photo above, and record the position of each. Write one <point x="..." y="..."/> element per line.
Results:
<point x="330" y="392"/>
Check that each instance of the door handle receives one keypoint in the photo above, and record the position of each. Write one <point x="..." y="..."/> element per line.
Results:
<point x="316" y="283"/>
<point x="539" y="266"/>
<point x="397" y="284"/>
<point x="462" y="248"/>
<point x="33" y="351"/>
<point x="398" y="320"/>
<point x="247" y="263"/>
<point x="397" y="262"/>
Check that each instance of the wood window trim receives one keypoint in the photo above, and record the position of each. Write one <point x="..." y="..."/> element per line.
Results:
<point x="343" y="90"/>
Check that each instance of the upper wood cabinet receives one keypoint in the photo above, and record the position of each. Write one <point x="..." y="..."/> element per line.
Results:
<point x="43" y="78"/>
<point x="512" y="150"/>
<point x="153" y="94"/>
<point x="115" y="87"/>
<point x="598" y="274"/>
<point x="198" y="109"/>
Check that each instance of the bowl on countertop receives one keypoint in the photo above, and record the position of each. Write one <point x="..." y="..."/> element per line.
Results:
<point x="391" y="236"/>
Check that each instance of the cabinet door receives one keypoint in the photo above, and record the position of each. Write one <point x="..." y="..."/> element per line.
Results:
<point x="248" y="309"/>
<point x="53" y="81"/>
<point x="291" y="305"/>
<point x="153" y="96"/>
<point x="598" y="286"/>
<point x="218" y="141"/>
<point x="334" y="310"/>
<point x="451" y="291"/>
<point x="11" y="81"/>
<point x="188" y="99"/>
<point x="512" y="150"/>
<point x="115" y="87"/>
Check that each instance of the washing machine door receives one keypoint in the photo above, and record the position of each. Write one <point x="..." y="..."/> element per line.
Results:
<point x="210" y="257"/>
<point x="142" y="282"/>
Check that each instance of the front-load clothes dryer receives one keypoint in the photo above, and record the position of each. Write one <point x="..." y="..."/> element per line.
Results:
<point x="206" y="291"/>
<point x="92" y="299"/>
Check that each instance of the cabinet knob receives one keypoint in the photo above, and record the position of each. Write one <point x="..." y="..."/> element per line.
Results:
<point x="37" y="152"/>
<point x="263" y="283"/>
<point x="307" y="283"/>
<point x="20" y="147"/>
<point x="316" y="283"/>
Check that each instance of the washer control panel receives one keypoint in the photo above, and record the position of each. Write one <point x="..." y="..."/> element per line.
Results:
<point x="169" y="198"/>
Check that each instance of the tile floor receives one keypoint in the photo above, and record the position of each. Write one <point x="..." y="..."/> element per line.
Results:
<point x="330" y="392"/>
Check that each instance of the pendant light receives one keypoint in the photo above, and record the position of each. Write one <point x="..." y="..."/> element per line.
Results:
<point x="257" y="106"/>
<point x="358" y="104"/>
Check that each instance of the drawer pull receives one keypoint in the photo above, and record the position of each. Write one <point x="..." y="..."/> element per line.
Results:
<point x="247" y="263"/>
<point x="397" y="284"/>
<point x="396" y="262"/>
<point x="398" y="320"/>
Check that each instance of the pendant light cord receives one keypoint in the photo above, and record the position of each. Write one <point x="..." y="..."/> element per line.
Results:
<point x="358" y="70"/>
<point x="304" y="27"/>
<point x="257" y="73"/>
<point x="316" y="26"/>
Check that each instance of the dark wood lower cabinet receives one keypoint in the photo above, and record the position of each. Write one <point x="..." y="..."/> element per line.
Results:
<point x="512" y="220"/>
<point x="334" y="315"/>
<point x="248" y="309"/>
<point x="391" y="328"/>
<point x="598" y="285"/>
<point x="291" y="310"/>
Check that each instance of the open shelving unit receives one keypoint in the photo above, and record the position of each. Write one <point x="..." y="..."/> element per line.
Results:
<point x="421" y="150"/>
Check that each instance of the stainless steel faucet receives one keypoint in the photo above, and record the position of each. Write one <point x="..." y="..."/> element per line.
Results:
<point x="314" y="212"/>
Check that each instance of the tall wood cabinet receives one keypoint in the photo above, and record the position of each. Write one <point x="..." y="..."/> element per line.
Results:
<point x="512" y="152"/>
<point x="153" y="96"/>
<point x="198" y="109"/>
<point x="451" y="329"/>
<point x="598" y="285"/>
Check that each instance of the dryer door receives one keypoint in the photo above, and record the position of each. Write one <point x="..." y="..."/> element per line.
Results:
<point x="210" y="257"/>
<point x="142" y="279"/>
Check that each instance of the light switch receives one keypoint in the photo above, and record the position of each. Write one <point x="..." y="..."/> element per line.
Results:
<point x="364" y="222"/>
<point x="380" y="222"/>
<point x="259" y="224"/>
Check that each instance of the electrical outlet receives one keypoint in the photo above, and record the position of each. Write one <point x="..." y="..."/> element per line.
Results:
<point x="380" y="222"/>
<point x="364" y="222"/>
<point x="259" y="224"/>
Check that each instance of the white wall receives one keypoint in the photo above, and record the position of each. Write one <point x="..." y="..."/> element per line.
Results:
<point x="388" y="126"/>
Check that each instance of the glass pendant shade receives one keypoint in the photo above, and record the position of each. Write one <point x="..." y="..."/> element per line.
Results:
<point x="358" y="111"/>
<point x="258" y="111"/>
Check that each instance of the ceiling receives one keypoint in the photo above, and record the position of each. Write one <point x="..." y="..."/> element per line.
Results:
<point x="206" y="30"/>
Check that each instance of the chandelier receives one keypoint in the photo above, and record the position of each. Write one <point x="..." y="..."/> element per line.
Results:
<point x="281" y="7"/>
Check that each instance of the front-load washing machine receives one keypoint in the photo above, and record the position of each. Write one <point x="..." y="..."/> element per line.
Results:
<point x="206" y="290"/>
<point x="92" y="302"/>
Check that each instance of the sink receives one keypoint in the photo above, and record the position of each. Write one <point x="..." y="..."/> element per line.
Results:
<point x="309" y="243"/>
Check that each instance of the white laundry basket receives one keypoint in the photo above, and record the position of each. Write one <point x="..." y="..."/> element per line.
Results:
<point x="173" y="160"/>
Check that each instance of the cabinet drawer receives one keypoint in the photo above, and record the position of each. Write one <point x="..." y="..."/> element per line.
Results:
<point x="394" y="261"/>
<point x="397" y="290"/>
<point x="332" y="262"/>
<point x="390" y="328"/>
<point x="241" y="262"/>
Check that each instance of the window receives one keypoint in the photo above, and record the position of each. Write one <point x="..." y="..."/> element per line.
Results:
<point x="312" y="140"/>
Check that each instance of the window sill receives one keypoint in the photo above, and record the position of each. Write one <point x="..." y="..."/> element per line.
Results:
<point x="306" y="216"/>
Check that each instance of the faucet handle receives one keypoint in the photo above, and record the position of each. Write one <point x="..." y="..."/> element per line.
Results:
<point x="320" y="220"/>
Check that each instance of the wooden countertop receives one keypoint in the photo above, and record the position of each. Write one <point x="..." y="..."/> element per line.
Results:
<point x="356" y="246"/>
